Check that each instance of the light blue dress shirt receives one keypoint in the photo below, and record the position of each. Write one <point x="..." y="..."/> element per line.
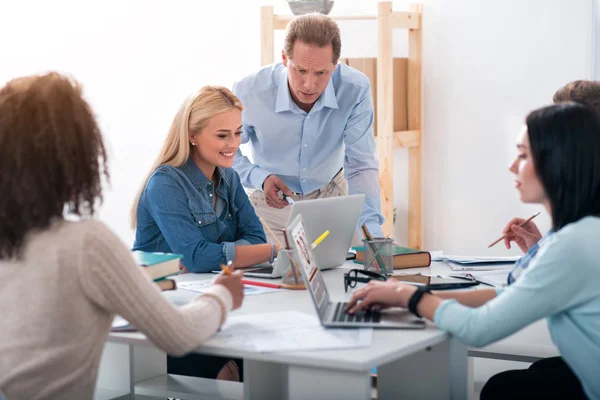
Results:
<point x="306" y="150"/>
<point x="561" y="284"/>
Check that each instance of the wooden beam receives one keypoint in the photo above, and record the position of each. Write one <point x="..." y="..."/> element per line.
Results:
<point x="385" y="114"/>
<point x="281" y="21"/>
<point x="407" y="139"/>
<point x="267" y="46"/>
<point x="406" y="20"/>
<point x="415" y="51"/>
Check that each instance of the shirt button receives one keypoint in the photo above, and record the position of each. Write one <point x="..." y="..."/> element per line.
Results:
<point x="303" y="169"/>
<point x="210" y="194"/>
<point x="303" y="180"/>
<point x="229" y="215"/>
<point x="305" y="145"/>
<point x="308" y="117"/>
<point x="199" y="222"/>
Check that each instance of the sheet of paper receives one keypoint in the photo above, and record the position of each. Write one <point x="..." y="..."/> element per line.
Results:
<point x="288" y="331"/>
<point x="480" y="259"/>
<point x="492" y="278"/>
<point x="202" y="286"/>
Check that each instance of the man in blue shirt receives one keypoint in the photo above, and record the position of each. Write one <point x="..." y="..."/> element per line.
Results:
<point x="308" y="123"/>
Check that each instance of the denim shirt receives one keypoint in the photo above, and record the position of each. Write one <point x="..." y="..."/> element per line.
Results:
<point x="176" y="215"/>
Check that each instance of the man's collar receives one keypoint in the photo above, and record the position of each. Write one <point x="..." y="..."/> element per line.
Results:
<point x="283" y="101"/>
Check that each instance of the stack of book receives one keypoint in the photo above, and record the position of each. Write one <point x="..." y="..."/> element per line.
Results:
<point x="404" y="257"/>
<point x="159" y="266"/>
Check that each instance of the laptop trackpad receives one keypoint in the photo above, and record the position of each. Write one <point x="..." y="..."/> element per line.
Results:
<point x="399" y="315"/>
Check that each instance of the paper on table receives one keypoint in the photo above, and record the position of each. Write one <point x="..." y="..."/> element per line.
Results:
<point x="202" y="286"/>
<point x="479" y="266"/>
<point x="287" y="331"/>
<point x="492" y="278"/>
<point x="480" y="259"/>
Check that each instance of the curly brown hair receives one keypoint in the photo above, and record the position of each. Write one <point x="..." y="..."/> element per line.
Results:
<point x="52" y="157"/>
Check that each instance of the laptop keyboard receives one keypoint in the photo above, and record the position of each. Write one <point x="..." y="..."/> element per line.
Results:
<point x="364" y="316"/>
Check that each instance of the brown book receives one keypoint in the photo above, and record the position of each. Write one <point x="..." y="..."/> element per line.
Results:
<point x="166" y="284"/>
<point x="403" y="257"/>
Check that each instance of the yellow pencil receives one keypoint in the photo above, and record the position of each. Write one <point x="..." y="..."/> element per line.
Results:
<point x="225" y="269"/>
<point x="320" y="239"/>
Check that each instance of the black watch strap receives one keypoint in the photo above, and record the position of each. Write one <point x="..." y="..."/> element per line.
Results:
<point x="414" y="300"/>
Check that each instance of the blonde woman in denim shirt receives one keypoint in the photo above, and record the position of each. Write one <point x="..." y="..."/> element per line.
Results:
<point x="192" y="203"/>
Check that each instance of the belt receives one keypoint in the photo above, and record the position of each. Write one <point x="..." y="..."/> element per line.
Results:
<point x="336" y="174"/>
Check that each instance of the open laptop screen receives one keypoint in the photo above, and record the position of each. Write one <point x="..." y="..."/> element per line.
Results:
<point x="308" y="262"/>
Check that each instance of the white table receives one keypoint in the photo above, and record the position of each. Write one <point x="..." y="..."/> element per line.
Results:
<point x="411" y="364"/>
<point x="527" y="345"/>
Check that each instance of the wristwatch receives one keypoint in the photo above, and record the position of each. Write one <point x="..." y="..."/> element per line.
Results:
<point x="413" y="302"/>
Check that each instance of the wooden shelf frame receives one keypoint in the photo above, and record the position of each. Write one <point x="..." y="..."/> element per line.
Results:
<point x="387" y="140"/>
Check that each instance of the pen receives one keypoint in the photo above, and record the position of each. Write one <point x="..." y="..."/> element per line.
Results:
<point x="520" y="225"/>
<point x="379" y="264"/>
<point x="285" y="238"/>
<point x="292" y="268"/>
<point x="289" y="199"/>
<point x="320" y="239"/>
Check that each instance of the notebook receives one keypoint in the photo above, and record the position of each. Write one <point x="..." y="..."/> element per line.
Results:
<point x="404" y="257"/>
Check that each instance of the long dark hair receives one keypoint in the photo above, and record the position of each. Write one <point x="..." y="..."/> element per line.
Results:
<point x="565" y="146"/>
<point x="52" y="157"/>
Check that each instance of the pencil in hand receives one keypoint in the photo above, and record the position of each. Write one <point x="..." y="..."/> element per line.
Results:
<point x="225" y="268"/>
<point x="507" y="233"/>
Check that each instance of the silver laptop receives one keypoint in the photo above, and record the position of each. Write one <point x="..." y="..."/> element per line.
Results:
<point x="269" y="271"/>
<point x="339" y="215"/>
<point x="331" y="313"/>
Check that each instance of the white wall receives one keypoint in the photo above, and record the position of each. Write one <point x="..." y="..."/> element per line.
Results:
<point x="485" y="63"/>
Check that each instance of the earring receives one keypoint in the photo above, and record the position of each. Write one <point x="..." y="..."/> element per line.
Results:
<point x="193" y="144"/>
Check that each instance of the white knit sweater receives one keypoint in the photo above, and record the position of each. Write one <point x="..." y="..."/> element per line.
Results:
<point x="57" y="304"/>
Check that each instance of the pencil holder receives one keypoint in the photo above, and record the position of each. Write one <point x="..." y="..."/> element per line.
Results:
<point x="292" y="275"/>
<point x="379" y="254"/>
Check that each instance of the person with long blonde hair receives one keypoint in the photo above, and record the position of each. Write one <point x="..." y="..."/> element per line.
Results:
<point x="193" y="203"/>
<point x="65" y="274"/>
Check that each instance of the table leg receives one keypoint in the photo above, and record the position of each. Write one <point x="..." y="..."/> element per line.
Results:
<point x="265" y="380"/>
<point x="319" y="383"/>
<point x="438" y="372"/>
<point x="122" y="365"/>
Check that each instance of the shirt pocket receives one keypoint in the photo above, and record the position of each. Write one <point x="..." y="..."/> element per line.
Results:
<point x="207" y="223"/>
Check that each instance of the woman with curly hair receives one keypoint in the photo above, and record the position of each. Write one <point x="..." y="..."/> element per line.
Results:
<point x="64" y="274"/>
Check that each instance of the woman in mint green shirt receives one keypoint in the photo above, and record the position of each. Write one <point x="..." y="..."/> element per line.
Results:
<point x="558" y="166"/>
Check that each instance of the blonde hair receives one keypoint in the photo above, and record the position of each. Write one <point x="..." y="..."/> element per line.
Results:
<point x="192" y="117"/>
<point x="316" y="29"/>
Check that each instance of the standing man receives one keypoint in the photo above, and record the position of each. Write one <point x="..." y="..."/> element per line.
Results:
<point x="309" y="124"/>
